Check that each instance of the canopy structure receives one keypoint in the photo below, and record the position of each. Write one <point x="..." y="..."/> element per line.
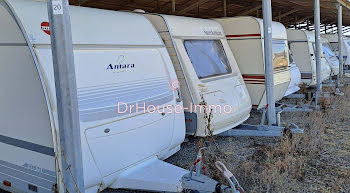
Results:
<point x="292" y="13"/>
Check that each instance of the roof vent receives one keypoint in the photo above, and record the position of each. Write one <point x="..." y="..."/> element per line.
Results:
<point x="139" y="11"/>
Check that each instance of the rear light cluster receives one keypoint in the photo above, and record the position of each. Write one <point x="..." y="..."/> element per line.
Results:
<point x="6" y="183"/>
<point x="30" y="186"/>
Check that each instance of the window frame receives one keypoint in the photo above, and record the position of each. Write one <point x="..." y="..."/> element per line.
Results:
<point x="230" y="71"/>
<point x="281" y="42"/>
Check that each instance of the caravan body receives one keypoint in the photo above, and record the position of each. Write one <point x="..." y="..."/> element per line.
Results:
<point x="295" y="73"/>
<point x="330" y="56"/>
<point x="301" y="44"/>
<point x="207" y="71"/>
<point x="115" y="67"/>
<point x="333" y="41"/>
<point x="347" y="50"/>
<point x="245" y="37"/>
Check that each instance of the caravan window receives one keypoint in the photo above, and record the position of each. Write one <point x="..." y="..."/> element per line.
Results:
<point x="280" y="57"/>
<point x="208" y="57"/>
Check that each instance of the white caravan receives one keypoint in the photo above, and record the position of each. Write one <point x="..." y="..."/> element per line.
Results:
<point x="245" y="37"/>
<point x="295" y="73"/>
<point x="301" y="44"/>
<point x="347" y="51"/>
<point x="206" y="68"/>
<point x="330" y="56"/>
<point x="333" y="41"/>
<point x="123" y="63"/>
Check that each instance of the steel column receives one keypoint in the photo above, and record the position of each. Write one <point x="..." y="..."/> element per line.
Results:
<point x="340" y="41"/>
<point x="66" y="93"/>
<point x="270" y="93"/>
<point x="318" y="47"/>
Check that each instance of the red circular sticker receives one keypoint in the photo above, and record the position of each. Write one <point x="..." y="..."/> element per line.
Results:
<point x="45" y="26"/>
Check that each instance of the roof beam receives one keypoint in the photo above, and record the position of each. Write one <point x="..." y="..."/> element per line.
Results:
<point x="300" y="20"/>
<point x="192" y="6"/>
<point x="344" y="3"/>
<point x="213" y="12"/>
<point x="163" y="6"/>
<point x="82" y="2"/>
<point x="285" y="14"/>
<point x="250" y="10"/>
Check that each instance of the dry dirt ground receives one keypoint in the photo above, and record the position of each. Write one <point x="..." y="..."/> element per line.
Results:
<point x="316" y="161"/>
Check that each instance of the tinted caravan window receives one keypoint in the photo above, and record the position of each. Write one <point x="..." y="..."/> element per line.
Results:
<point x="280" y="57"/>
<point x="208" y="57"/>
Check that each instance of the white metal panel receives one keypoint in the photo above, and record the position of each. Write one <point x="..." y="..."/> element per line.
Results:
<point x="9" y="30"/>
<point x="25" y="128"/>
<point x="310" y="35"/>
<point x="331" y="37"/>
<point x="130" y="141"/>
<point x="295" y="80"/>
<point x="23" y="108"/>
<point x="89" y="26"/>
<point x="240" y="26"/>
<point x="278" y="29"/>
<point x="299" y="35"/>
<point x="193" y="27"/>
<point x="330" y="56"/>
<point x="249" y="55"/>
<point x="347" y="50"/>
<point x="247" y="25"/>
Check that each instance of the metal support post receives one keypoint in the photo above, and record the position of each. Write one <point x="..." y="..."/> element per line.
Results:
<point x="318" y="49"/>
<point x="66" y="94"/>
<point x="267" y="14"/>
<point x="340" y="41"/>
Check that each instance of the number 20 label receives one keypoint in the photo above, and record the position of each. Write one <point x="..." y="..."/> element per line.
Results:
<point x="57" y="7"/>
